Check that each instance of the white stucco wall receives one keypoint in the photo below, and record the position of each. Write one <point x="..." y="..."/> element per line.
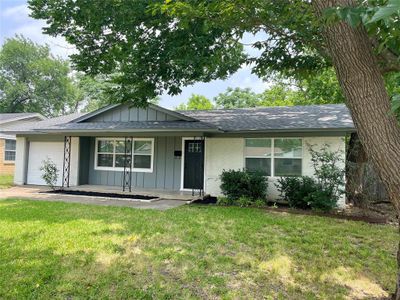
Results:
<point x="74" y="165"/>
<point x="20" y="160"/>
<point x="221" y="153"/>
<point x="228" y="153"/>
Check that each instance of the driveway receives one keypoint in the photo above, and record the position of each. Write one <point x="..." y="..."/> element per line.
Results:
<point x="39" y="194"/>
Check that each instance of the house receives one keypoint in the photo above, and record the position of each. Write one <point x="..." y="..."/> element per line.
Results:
<point x="7" y="141"/>
<point x="158" y="149"/>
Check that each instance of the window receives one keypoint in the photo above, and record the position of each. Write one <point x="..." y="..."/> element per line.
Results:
<point x="258" y="153"/>
<point x="10" y="149"/>
<point x="274" y="157"/>
<point x="287" y="157"/>
<point x="111" y="154"/>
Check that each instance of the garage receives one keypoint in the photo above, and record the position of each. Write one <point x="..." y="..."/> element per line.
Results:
<point x="40" y="151"/>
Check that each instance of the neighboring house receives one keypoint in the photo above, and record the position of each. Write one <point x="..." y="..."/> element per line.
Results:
<point x="8" y="121"/>
<point x="179" y="151"/>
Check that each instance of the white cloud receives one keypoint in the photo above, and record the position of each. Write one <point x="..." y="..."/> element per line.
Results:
<point x="58" y="45"/>
<point x="30" y="28"/>
<point x="19" y="12"/>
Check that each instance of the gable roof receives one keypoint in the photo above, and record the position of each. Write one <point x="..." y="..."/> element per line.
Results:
<point x="277" y="118"/>
<point x="11" y="117"/>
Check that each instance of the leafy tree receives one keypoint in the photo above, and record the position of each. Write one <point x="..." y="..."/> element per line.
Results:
<point x="321" y="88"/>
<point x="92" y="92"/>
<point x="96" y="92"/>
<point x="280" y="95"/>
<point x="237" y="98"/>
<point x="32" y="80"/>
<point x="164" y="45"/>
<point x="196" y="102"/>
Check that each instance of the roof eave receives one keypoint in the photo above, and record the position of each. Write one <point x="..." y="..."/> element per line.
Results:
<point x="33" y="115"/>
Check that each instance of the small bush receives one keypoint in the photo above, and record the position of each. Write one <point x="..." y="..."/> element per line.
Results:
<point x="242" y="183"/>
<point x="260" y="203"/>
<point x="322" y="199"/>
<point x="50" y="172"/>
<point x="295" y="190"/>
<point x="321" y="192"/>
<point x="244" y="201"/>
<point x="224" y="201"/>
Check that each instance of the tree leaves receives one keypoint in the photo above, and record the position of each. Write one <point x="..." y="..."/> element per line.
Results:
<point x="31" y="80"/>
<point x="385" y="12"/>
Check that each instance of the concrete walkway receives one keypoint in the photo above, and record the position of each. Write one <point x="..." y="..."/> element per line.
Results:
<point x="39" y="194"/>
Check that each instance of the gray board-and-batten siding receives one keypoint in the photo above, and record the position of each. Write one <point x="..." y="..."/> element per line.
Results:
<point x="166" y="167"/>
<point x="127" y="114"/>
<point x="166" y="173"/>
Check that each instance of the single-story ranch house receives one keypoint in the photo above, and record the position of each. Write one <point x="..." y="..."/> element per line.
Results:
<point x="158" y="149"/>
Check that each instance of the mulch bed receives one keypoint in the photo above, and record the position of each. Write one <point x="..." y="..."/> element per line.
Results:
<point x="334" y="214"/>
<point x="99" y="194"/>
<point x="371" y="215"/>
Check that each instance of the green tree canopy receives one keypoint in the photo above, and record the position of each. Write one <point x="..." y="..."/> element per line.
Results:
<point x="196" y="102"/>
<point x="32" y="80"/>
<point x="237" y="98"/>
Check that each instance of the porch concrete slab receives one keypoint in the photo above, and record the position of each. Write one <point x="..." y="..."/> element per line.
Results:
<point x="162" y="194"/>
<point x="39" y="193"/>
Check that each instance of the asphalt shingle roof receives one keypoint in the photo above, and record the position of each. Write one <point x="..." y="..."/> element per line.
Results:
<point x="47" y="123"/>
<point x="280" y="118"/>
<point x="9" y="117"/>
<point x="145" y="125"/>
<point x="263" y="119"/>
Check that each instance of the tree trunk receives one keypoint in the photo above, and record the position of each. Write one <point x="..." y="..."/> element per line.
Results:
<point x="355" y="167"/>
<point x="360" y="78"/>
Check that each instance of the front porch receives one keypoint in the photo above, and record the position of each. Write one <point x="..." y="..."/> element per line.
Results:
<point x="158" y="194"/>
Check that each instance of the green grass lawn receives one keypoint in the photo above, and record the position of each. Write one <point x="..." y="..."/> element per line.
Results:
<point x="71" y="251"/>
<point x="6" y="181"/>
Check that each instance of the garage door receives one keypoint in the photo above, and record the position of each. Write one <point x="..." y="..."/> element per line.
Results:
<point x="40" y="151"/>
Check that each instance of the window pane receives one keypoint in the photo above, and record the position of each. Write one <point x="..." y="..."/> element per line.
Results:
<point x="105" y="146"/>
<point x="120" y="160"/>
<point x="10" y="145"/>
<point x="142" y="161"/>
<point x="259" y="164"/>
<point x="287" y="167"/>
<point x="142" y="147"/>
<point x="258" y="147"/>
<point x="9" y="155"/>
<point x="120" y="147"/>
<point x="104" y="160"/>
<point x="289" y="148"/>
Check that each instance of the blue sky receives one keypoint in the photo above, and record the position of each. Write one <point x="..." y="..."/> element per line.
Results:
<point x="14" y="19"/>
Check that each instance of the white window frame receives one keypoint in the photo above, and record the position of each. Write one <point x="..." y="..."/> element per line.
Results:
<point x="272" y="157"/>
<point x="142" y="170"/>
<point x="5" y="151"/>
<point x="260" y="156"/>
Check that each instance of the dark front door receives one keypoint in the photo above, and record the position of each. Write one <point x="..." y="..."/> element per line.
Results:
<point x="193" y="164"/>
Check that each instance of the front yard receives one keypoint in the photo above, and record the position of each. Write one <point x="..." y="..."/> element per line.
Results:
<point x="61" y="250"/>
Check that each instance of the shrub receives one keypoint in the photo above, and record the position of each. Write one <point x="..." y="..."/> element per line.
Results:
<point x="260" y="203"/>
<point x="321" y="199"/>
<point x="295" y="190"/>
<point x="242" y="183"/>
<point x="50" y="172"/>
<point x="327" y="170"/>
<point x="321" y="192"/>
<point x="224" y="201"/>
<point x="244" y="201"/>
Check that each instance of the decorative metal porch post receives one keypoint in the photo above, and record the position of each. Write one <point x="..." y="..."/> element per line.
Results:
<point x="67" y="161"/>
<point x="127" y="180"/>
